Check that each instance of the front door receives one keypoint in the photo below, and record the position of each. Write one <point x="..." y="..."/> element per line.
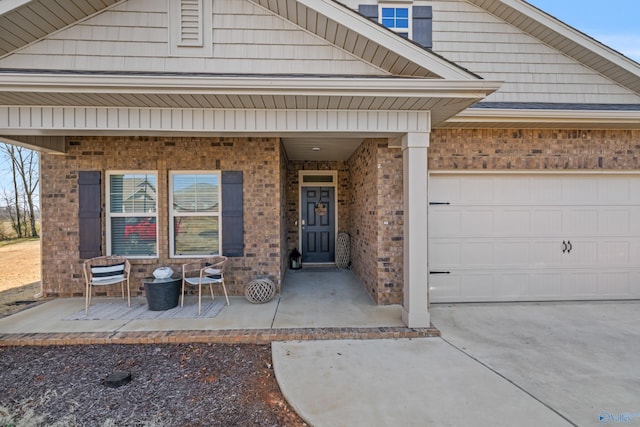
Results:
<point x="317" y="227"/>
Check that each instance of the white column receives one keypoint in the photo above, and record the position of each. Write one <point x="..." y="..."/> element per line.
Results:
<point x="415" y="310"/>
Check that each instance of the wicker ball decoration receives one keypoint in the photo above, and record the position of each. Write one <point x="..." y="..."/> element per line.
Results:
<point x="343" y="251"/>
<point x="259" y="291"/>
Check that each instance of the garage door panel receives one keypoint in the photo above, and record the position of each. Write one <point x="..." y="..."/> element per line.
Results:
<point x="477" y="222"/>
<point x="546" y="189"/>
<point x="614" y="221"/>
<point x="513" y="222"/>
<point x="614" y="284"/>
<point x="579" y="189"/>
<point x="513" y="190"/>
<point x="476" y="189"/>
<point x="546" y="222"/>
<point x="444" y="223"/>
<point x="614" y="191"/>
<point x="513" y="253"/>
<point x="614" y="253"/>
<point x="477" y="253"/>
<point x="581" y="284"/>
<point x="476" y="285"/>
<point x="445" y="253"/>
<point x="579" y="222"/>
<point x="634" y="223"/>
<point x="546" y="253"/>
<point x="581" y="253"/>
<point x="546" y="285"/>
<point x="445" y="288"/>
<point x="448" y="189"/>
<point x="535" y="237"/>
<point x="509" y="286"/>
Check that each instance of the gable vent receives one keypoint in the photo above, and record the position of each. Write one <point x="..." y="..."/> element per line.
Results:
<point x="190" y="23"/>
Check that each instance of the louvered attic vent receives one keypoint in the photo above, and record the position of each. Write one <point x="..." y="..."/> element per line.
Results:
<point x="190" y="23"/>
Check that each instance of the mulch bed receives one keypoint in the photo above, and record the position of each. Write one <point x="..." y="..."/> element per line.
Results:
<point x="172" y="385"/>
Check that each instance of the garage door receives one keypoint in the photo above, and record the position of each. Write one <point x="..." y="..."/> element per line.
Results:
<point x="517" y="237"/>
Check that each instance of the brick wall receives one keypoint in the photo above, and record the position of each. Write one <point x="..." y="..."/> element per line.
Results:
<point x="534" y="149"/>
<point x="363" y="220"/>
<point x="258" y="158"/>
<point x="390" y="224"/>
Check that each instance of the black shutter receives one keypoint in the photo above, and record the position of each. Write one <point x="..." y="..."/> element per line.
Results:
<point x="232" y="216"/>
<point x="422" y="30"/>
<point x="369" y="11"/>
<point x="89" y="214"/>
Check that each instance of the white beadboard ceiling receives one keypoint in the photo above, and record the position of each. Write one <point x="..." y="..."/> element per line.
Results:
<point x="320" y="148"/>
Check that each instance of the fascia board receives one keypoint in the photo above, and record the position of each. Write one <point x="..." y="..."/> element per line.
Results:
<point x="41" y="83"/>
<point x="472" y="115"/>
<point x="363" y="26"/>
<point x="574" y="35"/>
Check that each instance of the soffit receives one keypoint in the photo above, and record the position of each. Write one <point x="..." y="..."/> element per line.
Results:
<point x="443" y="98"/>
<point x="477" y="118"/>
<point x="566" y="39"/>
<point x="24" y="22"/>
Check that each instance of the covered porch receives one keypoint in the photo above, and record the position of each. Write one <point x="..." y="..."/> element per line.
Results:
<point x="315" y="303"/>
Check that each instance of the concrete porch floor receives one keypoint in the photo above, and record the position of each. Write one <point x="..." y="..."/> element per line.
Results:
<point x="315" y="303"/>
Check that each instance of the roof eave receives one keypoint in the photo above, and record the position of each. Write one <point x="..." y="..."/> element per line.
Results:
<point x="537" y="118"/>
<point x="301" y="85"/>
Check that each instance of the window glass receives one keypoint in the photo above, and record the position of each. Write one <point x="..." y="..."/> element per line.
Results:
<point x="131" y="217"/>
<point x="396" y="19"/>
<point x="195" y="214"/>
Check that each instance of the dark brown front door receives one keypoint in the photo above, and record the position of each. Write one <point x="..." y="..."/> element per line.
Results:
<point x="318" y="228"/>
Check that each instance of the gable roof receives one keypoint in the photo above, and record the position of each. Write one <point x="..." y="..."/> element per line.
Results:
<point x="25" y="21"/>
<point x="566" y="39"/>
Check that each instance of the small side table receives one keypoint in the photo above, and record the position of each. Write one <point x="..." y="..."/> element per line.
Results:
<point x="162" y="294"/>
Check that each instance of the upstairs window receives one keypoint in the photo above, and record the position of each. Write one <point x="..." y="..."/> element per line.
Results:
<point x="412" y="22"/>
<point x="397" y="19"/>
<point x="194" y="214"/>
<point x="132" y="228"/>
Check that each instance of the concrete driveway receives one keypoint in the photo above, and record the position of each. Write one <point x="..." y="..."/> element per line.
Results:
<point x="546" y="364"/>
<point x="582" y="360"/>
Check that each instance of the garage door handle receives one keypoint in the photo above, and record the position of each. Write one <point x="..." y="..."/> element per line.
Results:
<point x="564" y="246"/>
<point x="439" y="272"/>
<point x="570" y="246"/>
<point x="439" y="203"/>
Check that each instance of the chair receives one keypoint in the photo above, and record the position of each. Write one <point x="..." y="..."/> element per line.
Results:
<point x="208" y="271"/>
<point x="106" y="270"/>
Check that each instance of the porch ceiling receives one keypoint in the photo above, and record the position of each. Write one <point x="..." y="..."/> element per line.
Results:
<point x="325" y="148"/>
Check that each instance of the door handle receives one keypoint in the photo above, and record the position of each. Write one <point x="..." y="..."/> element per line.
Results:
<point x="570" y="246"/>
<point x="564" y="246"/>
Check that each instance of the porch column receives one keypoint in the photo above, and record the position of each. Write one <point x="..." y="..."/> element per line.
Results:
<point x="415" y="310"/>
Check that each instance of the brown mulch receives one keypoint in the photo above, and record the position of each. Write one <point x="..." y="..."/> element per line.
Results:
<point x="172" y="385"/>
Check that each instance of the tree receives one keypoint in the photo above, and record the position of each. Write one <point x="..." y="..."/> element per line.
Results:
<point x="23" y="166"/>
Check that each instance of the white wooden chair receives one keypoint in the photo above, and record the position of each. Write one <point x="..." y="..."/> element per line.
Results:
<point x="106" y="270"/>
<point x="207" y="271"/>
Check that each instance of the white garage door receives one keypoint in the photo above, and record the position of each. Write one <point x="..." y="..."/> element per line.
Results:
<point x="518" y="237"/>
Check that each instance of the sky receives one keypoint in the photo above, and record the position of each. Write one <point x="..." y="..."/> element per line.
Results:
<point x="615" y="23"/>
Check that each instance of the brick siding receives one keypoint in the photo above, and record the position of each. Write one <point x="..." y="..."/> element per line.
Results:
<point x="534" y="149"/>
<point x="258" y="158"/>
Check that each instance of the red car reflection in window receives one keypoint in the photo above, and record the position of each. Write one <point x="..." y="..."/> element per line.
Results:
<point x="145" y="229"/>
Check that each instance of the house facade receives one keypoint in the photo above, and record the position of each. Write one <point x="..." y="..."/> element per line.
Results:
<point x="473" y="150"/>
